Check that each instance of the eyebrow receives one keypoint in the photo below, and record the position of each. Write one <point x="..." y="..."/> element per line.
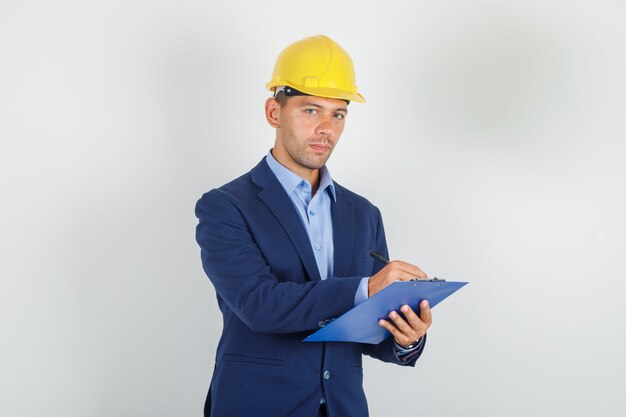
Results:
<point x="309" y="104"/>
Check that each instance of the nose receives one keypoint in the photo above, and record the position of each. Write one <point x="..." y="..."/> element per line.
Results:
<point x="325" y="126"/>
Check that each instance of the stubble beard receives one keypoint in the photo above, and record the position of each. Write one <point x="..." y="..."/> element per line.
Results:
<point x="307" y="161"/>
<point x="299" y="155"/>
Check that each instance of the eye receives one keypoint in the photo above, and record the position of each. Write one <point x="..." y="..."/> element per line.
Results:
<point x="339" y="116"/>
<point x="310" y="111"/>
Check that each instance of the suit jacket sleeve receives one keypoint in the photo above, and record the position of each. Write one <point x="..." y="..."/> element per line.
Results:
<point x="236" y="265"/>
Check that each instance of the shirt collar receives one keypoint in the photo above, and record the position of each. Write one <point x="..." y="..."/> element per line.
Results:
<point x="290" y="180"/>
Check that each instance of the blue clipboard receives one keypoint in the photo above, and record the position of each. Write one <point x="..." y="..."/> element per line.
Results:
<point x="360" y="324"/>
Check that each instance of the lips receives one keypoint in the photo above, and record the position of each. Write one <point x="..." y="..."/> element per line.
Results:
<point x="320" y="147"/>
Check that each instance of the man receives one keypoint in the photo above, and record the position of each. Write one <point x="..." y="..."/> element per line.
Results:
<point x="287" y="250"/>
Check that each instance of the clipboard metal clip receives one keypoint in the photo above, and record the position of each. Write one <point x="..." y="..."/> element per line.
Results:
<point x="435" y="279"/>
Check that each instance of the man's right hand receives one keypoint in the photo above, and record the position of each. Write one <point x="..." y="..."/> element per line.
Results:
<point x="393" y="271"/>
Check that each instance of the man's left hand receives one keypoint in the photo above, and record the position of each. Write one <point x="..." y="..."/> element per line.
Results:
<point x="406" y="330"/>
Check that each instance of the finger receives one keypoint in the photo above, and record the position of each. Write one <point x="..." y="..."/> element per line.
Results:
<point x="419" y="326"/>
<point x="421" y="274"/>
<point x="401" y="275"/>
<point x="412" y="318"/>
<point x="399" y="337"/>
<point x="425" y="314"/>
<point x="390" y="328"/>
<point x="416" y="323"/>
<point x="410" y="269"/>
<point x="401" y="324"/>
<point x="410" y="331"/>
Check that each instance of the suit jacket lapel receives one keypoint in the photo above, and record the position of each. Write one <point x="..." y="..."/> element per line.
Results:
<point x="343" y="232"/>
<point x="275" y="198"/>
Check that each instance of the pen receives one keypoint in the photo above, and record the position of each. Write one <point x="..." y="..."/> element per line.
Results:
<point x="379" y="257"/>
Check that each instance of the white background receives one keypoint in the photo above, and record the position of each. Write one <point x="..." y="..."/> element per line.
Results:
<point x="493" y="141"/>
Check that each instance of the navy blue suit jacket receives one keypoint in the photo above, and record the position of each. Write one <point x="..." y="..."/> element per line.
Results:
<point x="257" y="254"/>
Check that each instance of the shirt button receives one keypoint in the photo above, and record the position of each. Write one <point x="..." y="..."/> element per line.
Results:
<point x="312" y="213"/>
<point x="321" y="323"/>
<point x="318" y="247"/>
<point x="326" y="375"/>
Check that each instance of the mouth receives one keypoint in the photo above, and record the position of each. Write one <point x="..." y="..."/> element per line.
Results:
<point x="320" y="148"/>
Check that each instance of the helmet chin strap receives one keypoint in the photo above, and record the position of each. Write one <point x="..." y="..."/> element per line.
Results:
<point x="289" y="91"/>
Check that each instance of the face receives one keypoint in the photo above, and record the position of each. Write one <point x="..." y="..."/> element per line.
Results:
<point x="308" y="128"/>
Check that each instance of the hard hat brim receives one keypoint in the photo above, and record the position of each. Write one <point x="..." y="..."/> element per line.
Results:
<point x="323" y="92"/>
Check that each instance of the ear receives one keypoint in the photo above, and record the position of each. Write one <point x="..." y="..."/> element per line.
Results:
<point x="272" y="112"/>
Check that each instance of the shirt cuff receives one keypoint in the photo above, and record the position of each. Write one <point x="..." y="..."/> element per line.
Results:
<point x="400" y="351"/>
<point x="361" y="291"/>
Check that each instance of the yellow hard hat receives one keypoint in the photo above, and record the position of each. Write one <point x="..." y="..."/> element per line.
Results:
<point x="317" y="66"/>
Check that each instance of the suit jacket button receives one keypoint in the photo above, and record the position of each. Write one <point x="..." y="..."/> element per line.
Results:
<point x="321" y="323"/>
<point x="326" y="375"/>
